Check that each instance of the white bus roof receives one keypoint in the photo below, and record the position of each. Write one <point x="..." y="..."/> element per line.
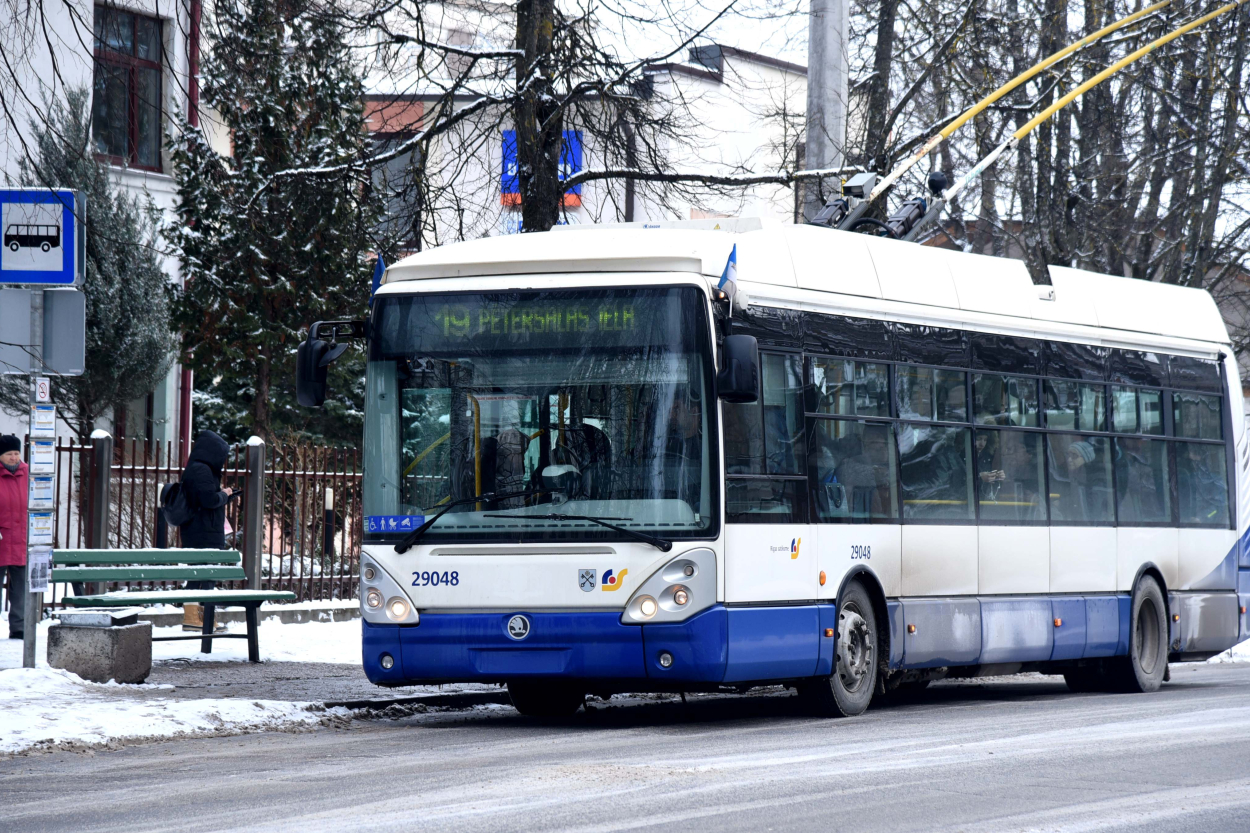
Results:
<point x="841" y="264"/>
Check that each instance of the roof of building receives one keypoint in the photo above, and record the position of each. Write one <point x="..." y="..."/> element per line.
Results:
<point x="852" y="268"/>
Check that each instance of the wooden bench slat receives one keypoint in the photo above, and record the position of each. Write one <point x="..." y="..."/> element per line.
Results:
<point x="147" y="573"/>
<point x="146" y="556"/>
<point x="223" y="598"/>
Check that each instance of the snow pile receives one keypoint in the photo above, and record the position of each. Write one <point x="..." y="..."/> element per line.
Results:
<point x="48" y="708"/>
<point x="334" y="642"/>
<point x="1237" y="653"/>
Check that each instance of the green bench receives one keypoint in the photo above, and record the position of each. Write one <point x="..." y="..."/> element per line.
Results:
<point x="169" y="565"/>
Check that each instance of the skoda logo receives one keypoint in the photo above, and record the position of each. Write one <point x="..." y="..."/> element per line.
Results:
<point x="518" y="627"/>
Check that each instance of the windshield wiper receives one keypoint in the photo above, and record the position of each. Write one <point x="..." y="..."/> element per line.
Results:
<point x="412" y="537"/>
<point x="659" y="543"/>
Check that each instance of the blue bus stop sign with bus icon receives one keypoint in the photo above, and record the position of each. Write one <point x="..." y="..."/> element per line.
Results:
<point x="42" y="242"/>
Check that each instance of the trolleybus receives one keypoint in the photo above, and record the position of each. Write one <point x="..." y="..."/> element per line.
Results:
<point x="614" y="460"/>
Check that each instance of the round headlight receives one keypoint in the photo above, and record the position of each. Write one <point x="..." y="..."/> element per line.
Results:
<point x="647" y="606"/>
<point x="373" y="598"/>
<point x="689" y="571"/>
<point x="397" y="609"/>
<point x="370" y="573"/>
<point x="680" y="596"/>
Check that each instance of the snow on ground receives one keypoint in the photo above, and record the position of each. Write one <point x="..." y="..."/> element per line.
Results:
<point x="50" y="708"/>
<point x="1237" y="653"/>
<point x="333" y="642"/>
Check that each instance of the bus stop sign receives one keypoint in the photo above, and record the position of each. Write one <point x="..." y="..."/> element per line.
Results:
<point x="42" y="237"/>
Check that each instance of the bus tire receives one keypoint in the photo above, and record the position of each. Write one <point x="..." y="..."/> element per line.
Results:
<point x="545" y="699"/>
<point x="45" y="247"/>
<point x="848" y="691"/>
<point x="1147" y="661"/>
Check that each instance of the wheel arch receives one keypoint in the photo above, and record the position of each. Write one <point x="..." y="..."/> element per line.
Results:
<point x="1151" y="569"/>
<point x="876" y="593"/>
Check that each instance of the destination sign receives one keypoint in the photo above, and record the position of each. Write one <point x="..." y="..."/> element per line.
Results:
<point x="461" y="321"/>
<point x="433" y="325"/>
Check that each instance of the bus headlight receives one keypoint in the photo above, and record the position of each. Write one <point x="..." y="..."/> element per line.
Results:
<point x="682" y="587"/>
<point x="397" y="609"/>
<point x="643" y="607"/>
<point x="382" y="600"/>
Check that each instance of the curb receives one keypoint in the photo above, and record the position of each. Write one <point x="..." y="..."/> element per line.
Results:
<point x="460" y="700"/>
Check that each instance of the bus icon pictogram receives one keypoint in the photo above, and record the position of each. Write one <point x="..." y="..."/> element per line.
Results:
<point x="32" y="236"/>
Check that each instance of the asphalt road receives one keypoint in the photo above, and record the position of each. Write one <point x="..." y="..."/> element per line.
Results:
<point x="1015" y="754"/>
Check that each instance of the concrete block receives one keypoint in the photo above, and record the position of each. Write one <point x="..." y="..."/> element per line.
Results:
<point x="122" y="653"/>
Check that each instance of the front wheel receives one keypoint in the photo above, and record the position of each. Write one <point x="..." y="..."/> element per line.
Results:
<point x="13" y="247"/>
<point x="545" y="699"/>
<point x="848" y="691"/>
<point x="1147" y="661"/>
<point x="44" y="247"/>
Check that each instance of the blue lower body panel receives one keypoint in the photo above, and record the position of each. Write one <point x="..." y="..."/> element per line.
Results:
<point x="1070" y="628"/>
<point x="699" y="647"/>
<point x="476" y="646"/>
<point x="773" y="643"/>
<point x="1016" y="630"/>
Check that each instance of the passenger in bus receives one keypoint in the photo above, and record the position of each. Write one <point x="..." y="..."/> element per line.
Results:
<point x="989" y="475"/>
<point x="1201" y="492"/>
<point x="683" y="468"/>
<point x="1142" y="490"/>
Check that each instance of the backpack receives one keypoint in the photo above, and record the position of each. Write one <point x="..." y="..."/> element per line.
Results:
<point x="174" y="505"/>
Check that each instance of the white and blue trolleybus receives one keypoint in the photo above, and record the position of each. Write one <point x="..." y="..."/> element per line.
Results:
<point x="603" y="460"/>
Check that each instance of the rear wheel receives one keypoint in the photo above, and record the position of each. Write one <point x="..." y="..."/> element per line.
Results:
<point x="848" y="691"/>
<point x="545" y="699"/>
<point x="1147" y="661"/>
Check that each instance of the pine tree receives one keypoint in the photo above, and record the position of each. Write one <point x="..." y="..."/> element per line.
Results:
<point x="264" y="256"/>
<point x="129" y="345"/>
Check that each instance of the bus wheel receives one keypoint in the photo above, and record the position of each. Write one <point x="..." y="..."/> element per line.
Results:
<point x="13" y="247"/>
<point x="849" y="689"/>
<point x="545" y="699"/>
<point x="1147" y="661"/>
<point x="44" y="247"/>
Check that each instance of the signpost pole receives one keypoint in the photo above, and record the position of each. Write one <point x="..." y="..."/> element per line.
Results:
<point x="34" y="601"/>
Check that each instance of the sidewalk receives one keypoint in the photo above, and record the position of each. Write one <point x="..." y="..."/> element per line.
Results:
<point x="305" y="665"/>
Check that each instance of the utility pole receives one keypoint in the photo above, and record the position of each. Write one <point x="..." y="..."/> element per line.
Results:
<point x="826" y="97"/>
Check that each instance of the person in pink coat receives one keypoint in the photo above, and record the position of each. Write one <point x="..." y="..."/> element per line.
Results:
<point x="14" y="488"/>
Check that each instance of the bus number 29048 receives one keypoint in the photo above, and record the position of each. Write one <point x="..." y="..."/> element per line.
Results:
<point x="434" y="578"/>
<point x="860" y="552"/>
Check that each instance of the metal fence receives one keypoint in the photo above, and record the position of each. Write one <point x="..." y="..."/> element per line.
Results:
<point x="306" y="534"/>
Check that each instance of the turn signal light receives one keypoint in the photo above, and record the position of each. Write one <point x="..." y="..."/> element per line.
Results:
<point x="822" y="578"/>
<point x="911" y="628"/>
<point x="1176" y="617"/>
<point x="1243" y="610"/>
<point x="1058" y="623"/>
<point x="828" y="633"/>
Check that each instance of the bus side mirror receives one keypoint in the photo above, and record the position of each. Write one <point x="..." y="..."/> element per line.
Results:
<point x="313" y="359"/>
<point x="738" y="378"/>
<point x="311" y="373"/>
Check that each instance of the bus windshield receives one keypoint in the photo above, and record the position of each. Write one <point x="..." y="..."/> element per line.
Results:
<point x="595" y="400"/>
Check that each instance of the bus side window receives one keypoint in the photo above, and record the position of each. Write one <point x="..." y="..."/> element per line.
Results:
<point x="765" y="450"/>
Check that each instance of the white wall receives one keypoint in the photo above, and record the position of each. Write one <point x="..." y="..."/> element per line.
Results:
<point x="50" y="50"/>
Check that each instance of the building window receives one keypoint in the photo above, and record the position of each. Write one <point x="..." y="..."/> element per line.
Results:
<point x="126" y="105"/>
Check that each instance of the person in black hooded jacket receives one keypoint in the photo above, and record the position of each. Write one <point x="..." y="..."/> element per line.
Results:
<point x="201" y="483"/>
